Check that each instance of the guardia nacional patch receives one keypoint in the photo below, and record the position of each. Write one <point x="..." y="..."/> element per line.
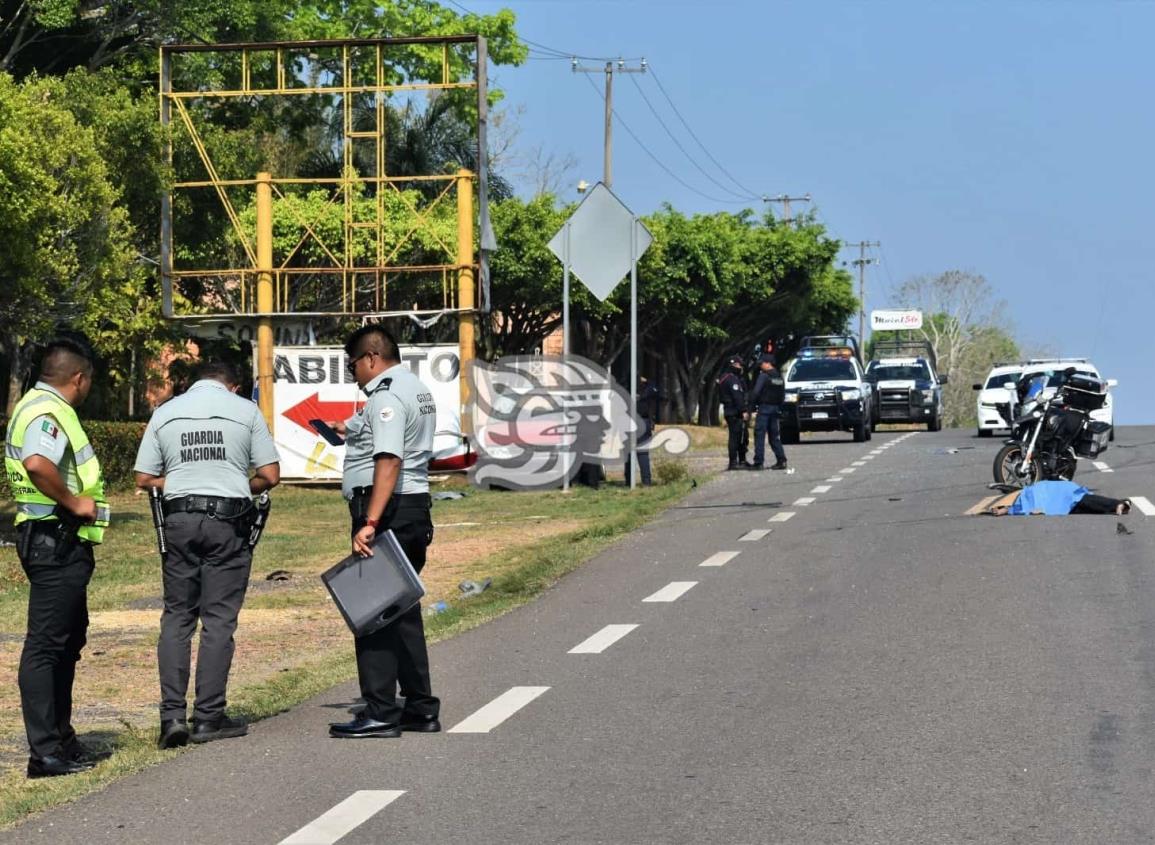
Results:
<point x="49" y="428"/>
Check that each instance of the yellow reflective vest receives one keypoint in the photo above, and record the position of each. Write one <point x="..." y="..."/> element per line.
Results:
<point x="30" y="502"/>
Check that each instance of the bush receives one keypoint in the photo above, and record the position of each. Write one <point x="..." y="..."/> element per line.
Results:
<point x="115" y="444"/>
<point x="669" y="472"/>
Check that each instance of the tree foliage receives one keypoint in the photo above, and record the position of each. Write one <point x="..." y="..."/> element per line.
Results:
<point x="965" y="325"/>
<point x="63" y="236"/>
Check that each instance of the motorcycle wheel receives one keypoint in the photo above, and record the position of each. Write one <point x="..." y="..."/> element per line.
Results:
<point x="1009" y="467"/>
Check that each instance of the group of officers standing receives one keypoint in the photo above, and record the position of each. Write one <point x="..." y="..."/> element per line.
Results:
<point x="206" y="453"/>
<point x="761" y="399"/>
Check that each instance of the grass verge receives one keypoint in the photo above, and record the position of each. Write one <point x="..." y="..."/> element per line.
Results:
<point x="524" y="572"/>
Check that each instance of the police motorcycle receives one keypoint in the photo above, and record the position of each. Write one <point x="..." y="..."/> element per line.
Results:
<point x="1053" y="429"/>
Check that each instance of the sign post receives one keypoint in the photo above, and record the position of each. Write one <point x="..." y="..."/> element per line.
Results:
<point x="602" y="242"/>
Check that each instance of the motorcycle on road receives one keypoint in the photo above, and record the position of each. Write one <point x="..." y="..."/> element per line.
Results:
<point x="1053" y="430"/>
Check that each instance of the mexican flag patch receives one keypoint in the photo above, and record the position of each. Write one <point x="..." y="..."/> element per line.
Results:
<point x="48" y="428"/>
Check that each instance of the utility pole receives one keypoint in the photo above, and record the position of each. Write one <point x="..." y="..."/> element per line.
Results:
<point x="610" y="69"/>
<point x="786" y="200"/>
<point x="861" y="263"/>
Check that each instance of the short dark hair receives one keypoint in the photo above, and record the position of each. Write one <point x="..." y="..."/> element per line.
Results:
<point x="219" y="370"/>
<point x="373" y="338"/>
<point x="63" y="357"/>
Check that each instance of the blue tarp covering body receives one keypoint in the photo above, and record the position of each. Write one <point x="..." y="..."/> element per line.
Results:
<point x="1051" y="498"/>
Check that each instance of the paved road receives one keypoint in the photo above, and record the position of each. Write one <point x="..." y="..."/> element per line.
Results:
<point x="878" y="668"/>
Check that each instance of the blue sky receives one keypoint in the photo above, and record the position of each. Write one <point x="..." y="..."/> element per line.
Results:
<point x="1011" y="139"/>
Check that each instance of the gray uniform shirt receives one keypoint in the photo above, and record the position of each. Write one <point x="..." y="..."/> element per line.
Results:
<point x="46" y="438"/>
<point x="204" y="442"/>
<point x="400" y="420"/>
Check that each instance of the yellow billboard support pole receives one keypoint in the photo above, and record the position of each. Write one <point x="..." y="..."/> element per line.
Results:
<point x="466" y="331"/>
<point x="265" y="296"/>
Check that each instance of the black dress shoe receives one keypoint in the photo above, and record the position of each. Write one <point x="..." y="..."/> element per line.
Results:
<point x="779" y="465"/>
<point x="363" y="728"/>
<point x="420" y="724"/>
<point x="755" y="466"/>
<point x="173" y="734"/>
<point x="222" y="727"/>
<point x="54" y="767"/>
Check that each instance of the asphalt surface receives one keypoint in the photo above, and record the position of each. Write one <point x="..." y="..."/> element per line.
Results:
<point x="880" y="668"/>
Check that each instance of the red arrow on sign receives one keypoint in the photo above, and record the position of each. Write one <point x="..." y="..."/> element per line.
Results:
<point x="313" y="408"/>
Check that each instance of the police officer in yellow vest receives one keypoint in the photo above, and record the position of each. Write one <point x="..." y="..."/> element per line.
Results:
<point x="60" y="515"/>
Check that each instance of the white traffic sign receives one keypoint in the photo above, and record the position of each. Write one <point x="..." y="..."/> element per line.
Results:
<point x="895" y="320"/>
<point x="599" y="249"/>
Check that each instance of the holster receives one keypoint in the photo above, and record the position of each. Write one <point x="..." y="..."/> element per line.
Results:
<point x="260" y="518"/>
<point x="156" y="505"/>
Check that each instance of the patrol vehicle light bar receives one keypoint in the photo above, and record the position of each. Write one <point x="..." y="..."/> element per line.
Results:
<point x="827" y="352"/>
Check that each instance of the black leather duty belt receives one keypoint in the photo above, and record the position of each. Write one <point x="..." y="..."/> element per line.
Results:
<point x="214" y="506"/>
<point x="366" y="492"/>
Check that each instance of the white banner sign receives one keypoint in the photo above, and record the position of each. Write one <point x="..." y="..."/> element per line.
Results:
<point x="895" y="320"/>
<point x="312" y="382"/>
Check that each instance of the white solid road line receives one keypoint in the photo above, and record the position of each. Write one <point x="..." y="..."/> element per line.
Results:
<point x="354" y="811"/>
<point x="1102" y="467"/>
<point x="754" y="536"/>
<point x="497" y="711"/>
<point x="719" y="558"/>
<point x="821" y="488"/>
<point x="803" y="502"/>
<point x="1144" y="505"/>
<point x="671" y="592"/>
<point x="603" y="639"/>
<point x="781" y="516"/>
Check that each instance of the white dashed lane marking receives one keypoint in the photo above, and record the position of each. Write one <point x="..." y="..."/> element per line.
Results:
<point x="980" y="506"/>
<point x="354" y="811"/>
<point x="804" y="501"/>
<point x="1102" y="467"/>
<point x="858" y="463"/>
<point x="719" y="559"/>
<point x="602" y="640"/>
<point x="1143" y="504"/>
<point x="821" y="488"/>
<point x="671" y="592"/>
<point x="832" y="479"/>
<point x="848" y="470"/>
<point x="498" y="710"/>
<point x="754" y="536"/>
<point x="781" y="516"/>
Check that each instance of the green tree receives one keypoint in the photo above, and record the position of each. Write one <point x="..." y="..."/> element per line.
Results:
<point x="62" y="235"/>
<point x="966" y="326"/>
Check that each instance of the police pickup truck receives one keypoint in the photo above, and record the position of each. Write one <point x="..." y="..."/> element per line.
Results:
<point x="826" y="390"/>
<point x="907" y="383"/>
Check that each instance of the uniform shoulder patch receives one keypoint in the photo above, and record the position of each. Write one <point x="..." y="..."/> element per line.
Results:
<point x="387" y="414"/>
<point x="49" y="428"/>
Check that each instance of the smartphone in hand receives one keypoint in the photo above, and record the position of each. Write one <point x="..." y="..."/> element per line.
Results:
<point x="326" y="431"/>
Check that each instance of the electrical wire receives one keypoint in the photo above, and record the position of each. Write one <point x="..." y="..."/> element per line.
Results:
<point x="744" y="197"/>
<point x="705" y="149"/>
<point x="653" y="157"/>
<point x="545" y="51"/>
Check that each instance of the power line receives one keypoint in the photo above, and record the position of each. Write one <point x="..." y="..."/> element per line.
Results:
<point x="705" y="149"/>
<point x="653" y="157"/>
<point x="678" y="144"/>
<point x="545" y="50"/>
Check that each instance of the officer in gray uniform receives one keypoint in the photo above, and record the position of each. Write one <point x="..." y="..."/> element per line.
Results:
<point x="198" y="448"/>
<point x="386" y="481"/>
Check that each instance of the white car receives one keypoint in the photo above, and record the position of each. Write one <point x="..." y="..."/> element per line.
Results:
<point x="992" y="394"/>
<point x="1054" y="367"/>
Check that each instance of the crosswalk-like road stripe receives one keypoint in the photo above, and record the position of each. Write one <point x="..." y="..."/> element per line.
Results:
<point x="1143" y="504"/>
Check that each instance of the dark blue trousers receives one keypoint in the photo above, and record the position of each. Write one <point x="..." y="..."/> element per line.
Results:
<point x="766" y="425"/>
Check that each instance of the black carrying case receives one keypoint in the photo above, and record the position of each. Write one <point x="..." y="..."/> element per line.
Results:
<point x="372" y="591"/>
<point x="1093" y="440"/>
<point x="1085" y="392"/>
